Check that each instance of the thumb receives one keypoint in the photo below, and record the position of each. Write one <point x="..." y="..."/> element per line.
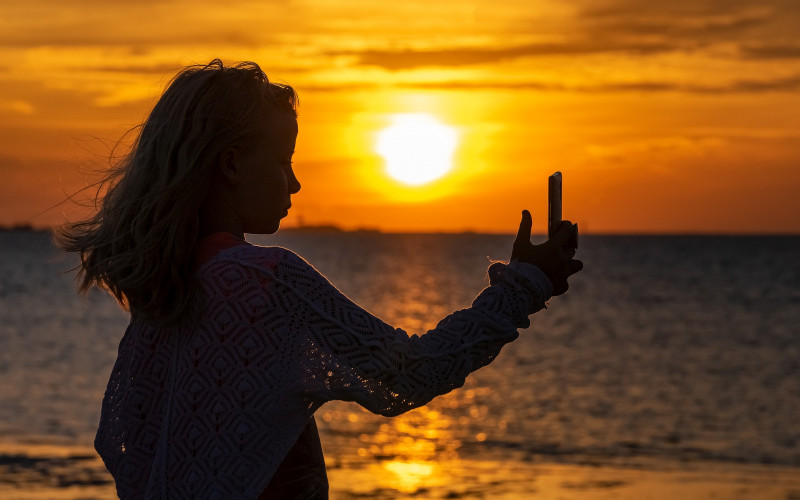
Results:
<point x="525" y="225"/>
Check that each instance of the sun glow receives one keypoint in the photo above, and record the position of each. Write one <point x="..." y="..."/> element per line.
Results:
<point x="417" y="148"/>
<point x="409" y="476"/>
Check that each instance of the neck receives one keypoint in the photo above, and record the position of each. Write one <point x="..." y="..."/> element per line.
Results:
<point x="219" y="218"/>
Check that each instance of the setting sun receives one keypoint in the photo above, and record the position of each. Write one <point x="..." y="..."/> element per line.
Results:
<point x="417" y="148"/>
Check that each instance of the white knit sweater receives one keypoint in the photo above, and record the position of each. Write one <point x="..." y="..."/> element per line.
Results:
<point x="210" y="412"/>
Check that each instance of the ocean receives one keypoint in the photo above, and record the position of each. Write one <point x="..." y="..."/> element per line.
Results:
<point x="667" y="353"/>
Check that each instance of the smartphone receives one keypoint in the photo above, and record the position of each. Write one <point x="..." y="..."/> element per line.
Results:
<point x="553" y="204"/>
<point x="554" y="208"/>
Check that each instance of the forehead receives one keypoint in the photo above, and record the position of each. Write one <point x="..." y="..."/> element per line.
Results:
<point x="280" y="129"/>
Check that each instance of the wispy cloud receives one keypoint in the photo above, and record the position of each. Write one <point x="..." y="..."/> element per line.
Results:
<point x="625" y="27"/>
<point x="743" y="86"/>
<point x="17" y="106"/>
<point x="400" y="59"/>
<point x="694" y="24"/>
<point x="82" y="23"/>
<point x="771" y="51"/>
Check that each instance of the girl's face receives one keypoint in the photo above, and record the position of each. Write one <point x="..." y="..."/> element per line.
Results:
<point x="266" y="179"/>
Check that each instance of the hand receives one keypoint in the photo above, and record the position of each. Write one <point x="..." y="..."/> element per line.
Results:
<point x="554" y="257"/>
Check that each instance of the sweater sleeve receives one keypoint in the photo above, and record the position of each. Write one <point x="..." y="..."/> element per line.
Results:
<point x="346" y="353"/>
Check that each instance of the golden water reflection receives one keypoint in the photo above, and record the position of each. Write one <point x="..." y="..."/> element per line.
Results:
<point x="422" y="449"/>
<point x="415" y="437"/>
<point x="410" y="453"/>
<point x="409" y="476"/>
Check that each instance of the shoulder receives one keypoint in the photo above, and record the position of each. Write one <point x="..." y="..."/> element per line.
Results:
<point x="255" y="254"/>
<point x="245" y="266"/>
<point x="273" y="260"/>
<point x="273" y="257"/>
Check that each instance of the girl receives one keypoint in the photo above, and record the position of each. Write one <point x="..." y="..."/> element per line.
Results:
<point x="232" y="347"/>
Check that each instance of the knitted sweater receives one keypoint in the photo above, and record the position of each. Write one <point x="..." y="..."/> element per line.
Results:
<point x="211" y="411"/>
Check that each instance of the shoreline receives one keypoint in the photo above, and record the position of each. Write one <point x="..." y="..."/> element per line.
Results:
<point x="43" y="471"/>
<point x="551" y="481"/>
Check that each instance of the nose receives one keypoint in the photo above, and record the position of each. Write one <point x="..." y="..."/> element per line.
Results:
<point x="294" y="184"/>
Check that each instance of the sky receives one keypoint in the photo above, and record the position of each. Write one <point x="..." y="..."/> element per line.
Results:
<point x="664" y="117"/>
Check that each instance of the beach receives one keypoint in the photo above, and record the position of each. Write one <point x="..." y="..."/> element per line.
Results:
<point x="40" y="472"/>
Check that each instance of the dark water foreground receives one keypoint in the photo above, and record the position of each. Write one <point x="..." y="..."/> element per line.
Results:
<point x="676" y="355"/>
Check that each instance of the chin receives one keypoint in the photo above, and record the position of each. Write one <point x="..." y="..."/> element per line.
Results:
<point x="269" y="228"/>
<point x="273" y="228"/>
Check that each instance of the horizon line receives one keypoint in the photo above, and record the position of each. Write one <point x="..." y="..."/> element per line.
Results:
<point x="334" y="229"/>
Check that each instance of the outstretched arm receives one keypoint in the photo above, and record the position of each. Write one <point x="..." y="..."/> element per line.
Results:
<point x="350" y="354"/>
<point x="344" y="352"/>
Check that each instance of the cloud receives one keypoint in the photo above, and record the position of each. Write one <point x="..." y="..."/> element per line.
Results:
<point x="621" y="27"/>
<point x="780" y="84"/>
<point x="401" y="59"/>
<point x="688" y="23"/>
<point x="787" y="84"/>
<point x="771" y="51"/>
<point x="17" y="106"/>
<point x="92" y="23"/>
<point x="654" y="146"/>
<point x="93" y="34"/>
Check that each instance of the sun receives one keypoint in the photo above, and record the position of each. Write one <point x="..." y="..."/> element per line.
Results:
<point x="417" y="148"/>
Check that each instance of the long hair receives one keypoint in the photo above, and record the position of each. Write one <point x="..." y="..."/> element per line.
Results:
<point x="139" y="245"/>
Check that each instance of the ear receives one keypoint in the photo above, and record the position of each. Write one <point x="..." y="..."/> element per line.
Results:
<point x="228" y="166"/>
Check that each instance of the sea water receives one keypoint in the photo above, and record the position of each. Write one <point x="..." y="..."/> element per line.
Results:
<point x="666" y="350"/>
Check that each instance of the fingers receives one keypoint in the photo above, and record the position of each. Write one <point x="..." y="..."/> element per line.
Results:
<point x="561" y="286"/>
<point x="564" y="233"/>
<point x="574" y="266"/>
<point x="525" y="226"/>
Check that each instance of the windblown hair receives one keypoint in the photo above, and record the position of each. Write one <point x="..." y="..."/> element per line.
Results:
<point x="140" y="243"/>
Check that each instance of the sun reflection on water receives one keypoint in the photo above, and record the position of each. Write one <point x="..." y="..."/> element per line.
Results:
<point x="419" y="450"/>
<point x="409" y="476"/>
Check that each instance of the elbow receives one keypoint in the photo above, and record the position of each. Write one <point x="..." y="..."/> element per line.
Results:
<point x="392" y="412"/>
<point x="398" y="408"/>
<point x="395" y="401"/>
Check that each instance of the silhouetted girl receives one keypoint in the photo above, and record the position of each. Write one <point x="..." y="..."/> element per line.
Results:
<point x="232" y="347"/>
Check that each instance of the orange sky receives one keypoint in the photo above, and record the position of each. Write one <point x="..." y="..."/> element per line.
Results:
<point x="676" y="118"/>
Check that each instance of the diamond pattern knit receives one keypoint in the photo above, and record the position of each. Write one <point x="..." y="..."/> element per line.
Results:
<point x="210" y="411"/>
